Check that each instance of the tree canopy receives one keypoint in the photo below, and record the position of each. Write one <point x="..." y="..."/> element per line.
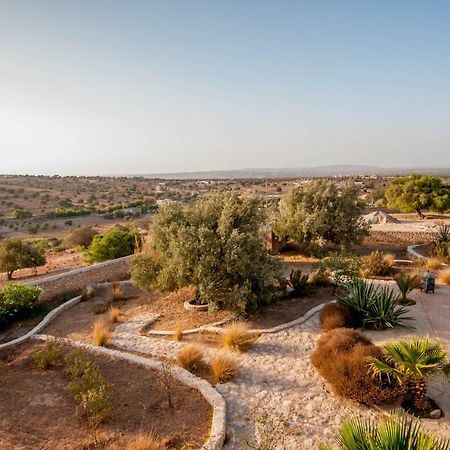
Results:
<point x="215" y="246"/>
<point x="16" y="254"/>
<point x="320" y="212"/>
<point x="417" y="192"/>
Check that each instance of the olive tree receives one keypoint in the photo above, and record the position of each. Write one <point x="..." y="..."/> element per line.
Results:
<point x="320" y="212"/>
<point x="215" y="246"/>
<point x="16" y="254"/>
<point x="417" y="192"/>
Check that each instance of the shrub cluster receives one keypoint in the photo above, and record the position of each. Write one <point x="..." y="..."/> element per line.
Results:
<point x="82" y="237"/>
<point x="17" y="301"/>
<point x="341" y="358"/>
<point x="89" y="388"/>
<point x="377" y="264"/>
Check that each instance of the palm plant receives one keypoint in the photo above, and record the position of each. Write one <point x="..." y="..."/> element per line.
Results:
<point x="375" y="306"/>
<point x="406" y="284"/>
<point x="411" y="363"/>
<point x="396" y="433"/>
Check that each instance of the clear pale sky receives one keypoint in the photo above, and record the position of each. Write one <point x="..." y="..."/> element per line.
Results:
<point x="96" y="87"/>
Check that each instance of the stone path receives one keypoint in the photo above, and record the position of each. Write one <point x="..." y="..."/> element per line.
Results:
<point x="276" y="380"/>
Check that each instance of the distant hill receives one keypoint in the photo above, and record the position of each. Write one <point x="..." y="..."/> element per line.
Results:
<point x="319" y="171"/>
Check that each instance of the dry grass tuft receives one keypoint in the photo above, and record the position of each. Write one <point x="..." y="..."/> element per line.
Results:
<point x="433" y="263"/>
<point x="191" y="357"/>
<point x="114" y="314"/>
<point x="444" y="276"/>
<point x="223" y="368"/>
<point x="335" y="315"/>
<point x="101" y="333"/>
<point x="117" y="292"/>
<point x="178" y="333"/>
<point x="237" y="337"/>
<point x="144" y="441"/>
<point x="378" y="264"/>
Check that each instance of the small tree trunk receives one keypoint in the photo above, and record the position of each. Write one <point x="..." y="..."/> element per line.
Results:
<point x="419" y="394"/>
<point x="9" y="275"/>
<point x="420" y="213"/>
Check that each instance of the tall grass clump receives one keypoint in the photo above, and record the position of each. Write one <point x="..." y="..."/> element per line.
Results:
<point x="377" y="264"/>
<point x="190" y="357"/>
<point x="433" y="263"/>
<point x="114" y="314"/>
<point x="335" y="315"/>
<point x="223" y="368"/>
<point x="101" y="333"/>
<point x="237" y="337"/>
<point x="144" y="441"/>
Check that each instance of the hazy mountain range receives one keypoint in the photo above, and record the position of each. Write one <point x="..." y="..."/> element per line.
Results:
<point x="319" y="171"/>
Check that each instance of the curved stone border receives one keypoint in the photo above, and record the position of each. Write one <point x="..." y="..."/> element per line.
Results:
<point x="52" y="314"/>
<point x="411" y="250"/>
<point x="138" y="323"/>
<point x="211" y="395"/>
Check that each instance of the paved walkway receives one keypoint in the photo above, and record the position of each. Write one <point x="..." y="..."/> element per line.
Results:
<point x="276" y="380"/>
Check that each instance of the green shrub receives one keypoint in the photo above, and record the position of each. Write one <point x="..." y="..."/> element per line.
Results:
<point x="20" y="213"/>
<point x="341" y="267"/>
<point x="377" y="264"/>
<point x="111" y="245"/>
<point x="17" y="301"/>
<point x="47" y="357"/>
<point x="374" y="306"/>
<point x="89" y="389"/>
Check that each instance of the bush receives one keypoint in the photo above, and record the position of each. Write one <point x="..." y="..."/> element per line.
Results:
<point x="111" y="245"/>
<point x="18" y="301"/>
<point x="81" y="237"/>
<point x="335" y="315"/>
<point x="178" y="333"/>
<point x="190" y="357"/>
<point x="117" y="292"/>
<point x="47" y="357"/>
<point x="89" y="389"/>
<point x="223" y="368"/>
<point x="20" y="213"/>
<point x="341" y="358"/>
<point x="340" y="267"/>
<point x="375" y="307"/>
<point x="237" y="337"/>
<point x="377" y="264"/>
<point x="101" y="333"/>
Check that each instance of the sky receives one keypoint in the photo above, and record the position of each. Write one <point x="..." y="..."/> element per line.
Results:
<point x="93" y="87"/>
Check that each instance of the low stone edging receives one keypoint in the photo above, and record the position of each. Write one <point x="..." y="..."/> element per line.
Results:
<point x="211" y="395"/>
<point x="51" y="316"/>
<point x="411" y="250"/>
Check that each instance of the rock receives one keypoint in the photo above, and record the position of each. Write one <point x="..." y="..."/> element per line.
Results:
<point x="435" y="414"/>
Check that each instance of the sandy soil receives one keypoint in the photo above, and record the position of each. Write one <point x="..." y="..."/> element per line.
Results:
<point x="37" y="410"/>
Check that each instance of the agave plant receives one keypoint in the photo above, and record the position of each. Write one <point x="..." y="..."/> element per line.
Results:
<point x="443" y="235"/>
<point x="375" y="306"/>
<point x="394" y="433"/>
<point x="406" y="284"/>
<point x="298" y="282"/>
<point x="411" y="363"/>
